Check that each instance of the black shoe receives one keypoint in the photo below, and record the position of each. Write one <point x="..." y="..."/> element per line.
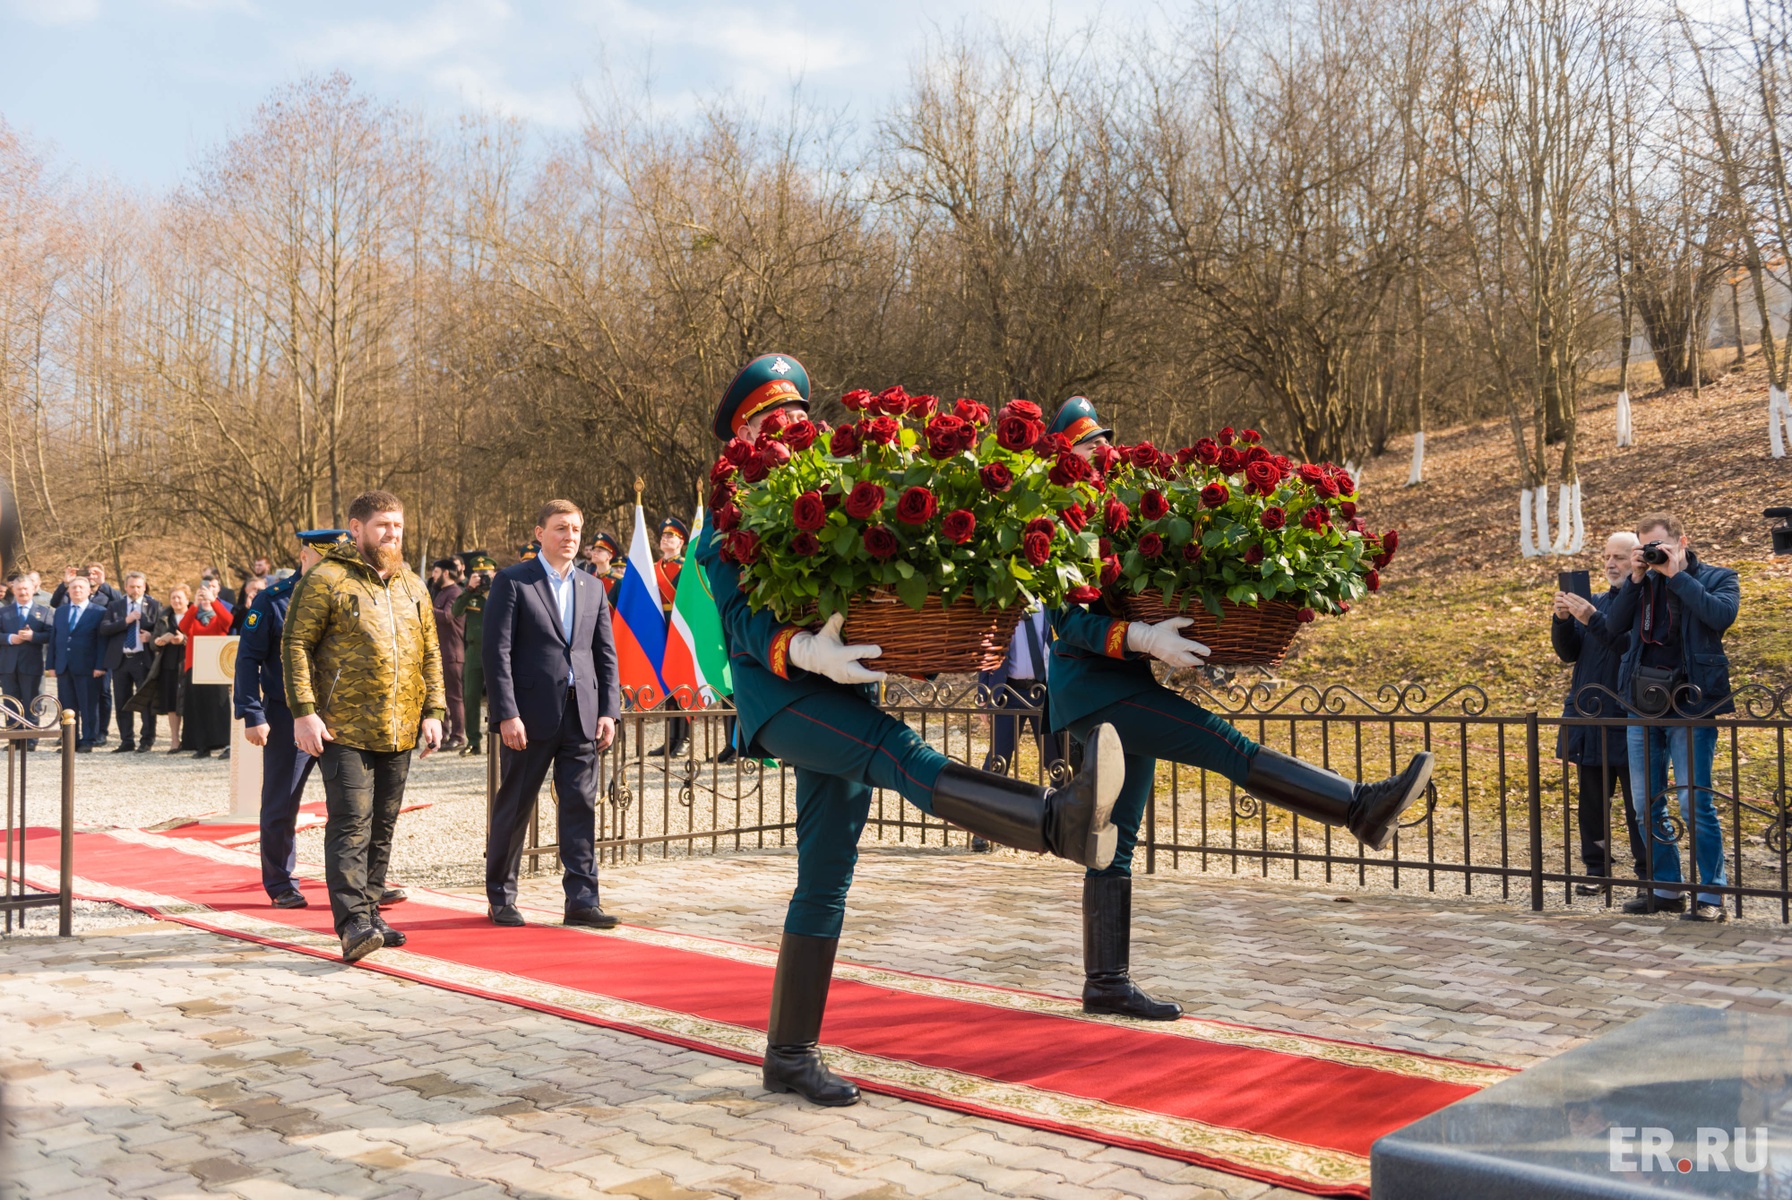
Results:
<point x="391" y="896"/>
<point x="83" y="747"/>
<point x="1369" y="810"/>
<point x="360" y="939"/>
<point x="1588" y="889"/>
<point x="124" y="748"/>
<point x="1073" y="822"/>
<point x="174" y="750"/>
<point x="799" y="997"/>
<point x="980" y="845"/>
<point x="728" y="754"/>
<point x="506" y="914"/>
<point x="1700" y="911"/>
<point x="472" y="748"/>
<point x="675" y="750"/>
<point x="224" y="753"/>
<point x="146" y="747"/>
<point x="454" y="743"/>
<point x="1107" y="944"/>
<point x="290" y="900"/>
<point x="1651" y="903"/>
<point x="593" y="916"/>
<point x="392" y="936"/>
<point x="202" y="754"/>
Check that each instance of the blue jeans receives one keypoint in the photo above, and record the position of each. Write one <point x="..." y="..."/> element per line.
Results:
<point x="1660" y="745"/>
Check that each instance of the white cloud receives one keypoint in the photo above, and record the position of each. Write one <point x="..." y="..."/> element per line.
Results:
<point x="57" y="12"/>
<point x="406" y="44"/>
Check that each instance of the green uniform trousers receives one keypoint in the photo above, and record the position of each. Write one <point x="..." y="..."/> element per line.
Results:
<point x="472" y="695"/>
<point x="1161" y="724"/>
<point x="842" y="746"/>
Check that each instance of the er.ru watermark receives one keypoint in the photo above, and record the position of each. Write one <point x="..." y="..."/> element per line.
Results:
<point x="1649" y="1148"/>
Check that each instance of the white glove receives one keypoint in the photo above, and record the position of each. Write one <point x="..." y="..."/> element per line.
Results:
<point x="1164" y="642"/>
<point x="824" y="653"/>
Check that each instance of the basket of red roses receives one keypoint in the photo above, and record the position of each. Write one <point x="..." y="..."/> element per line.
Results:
<point x="932" y="528"/>
<point x="1247" y="543"/>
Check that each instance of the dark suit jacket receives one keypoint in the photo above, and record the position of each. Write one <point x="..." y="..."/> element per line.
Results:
<point x="76" y="649"/>
<point x="115" y="629"/>
<point x="1595" y="649"/>
<point x="27" y="658"/>
<point x="526" y="654"/>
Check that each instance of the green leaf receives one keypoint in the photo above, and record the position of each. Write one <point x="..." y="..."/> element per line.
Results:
<point x="912" y="588"/>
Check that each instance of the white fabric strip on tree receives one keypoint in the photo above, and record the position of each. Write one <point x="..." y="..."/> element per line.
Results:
<point x="1417" y="474"/>
<point x="1626" y="431"/>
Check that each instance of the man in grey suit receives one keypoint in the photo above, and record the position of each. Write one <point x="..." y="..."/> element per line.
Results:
<point x="551" y="679"/>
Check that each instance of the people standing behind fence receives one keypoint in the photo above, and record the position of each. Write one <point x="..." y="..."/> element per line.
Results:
<point x="1581" y="635"/>
<point x="469" y="608"/>
<point x="550" y="662"/>
<point x="25" y="631"/>
<point x="673" y="535"/>
<point x="1019" y="683"/>
<point x="128" y="628"/>
<point x="205" y="727"/>
<point x="75" y="658"/>
<point x="363" y="677"/>
<point x="1678" y="607"/>
<point x="171" y="677"/>
<point x="451" y="635"/>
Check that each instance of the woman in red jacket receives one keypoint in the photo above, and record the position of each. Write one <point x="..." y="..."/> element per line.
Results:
<point x="207" y="718"/>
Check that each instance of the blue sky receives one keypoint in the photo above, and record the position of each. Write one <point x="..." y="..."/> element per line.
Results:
<point x="135" y="88"/>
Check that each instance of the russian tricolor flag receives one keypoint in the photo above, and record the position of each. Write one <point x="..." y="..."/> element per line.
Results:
<point x="639" y="623"/>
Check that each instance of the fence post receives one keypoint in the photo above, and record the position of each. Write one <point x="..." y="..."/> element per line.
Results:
<point x="1534" y="774"/>
<point x="66" y="902"/>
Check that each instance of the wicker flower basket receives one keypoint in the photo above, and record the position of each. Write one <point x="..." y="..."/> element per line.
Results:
<point x="1242" y="636"/>
<point x="934" y="640"/>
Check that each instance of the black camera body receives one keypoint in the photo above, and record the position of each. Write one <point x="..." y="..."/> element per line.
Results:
<point x="1654" y="553"/>
<point x="1781" y="533"/>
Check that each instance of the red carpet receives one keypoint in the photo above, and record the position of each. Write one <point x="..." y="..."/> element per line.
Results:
<point x="1284" y="1108"/>
<point x="311" y="815"/>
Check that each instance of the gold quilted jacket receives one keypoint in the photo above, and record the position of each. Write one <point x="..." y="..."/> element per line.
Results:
<point x="361" y="653"/>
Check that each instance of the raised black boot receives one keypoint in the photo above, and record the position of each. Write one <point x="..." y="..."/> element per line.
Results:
<point x="1073" y="822"/>
<point x="1107" y="946"/>
<point x="799" y="997"/>
<point x="1370" y="811"/>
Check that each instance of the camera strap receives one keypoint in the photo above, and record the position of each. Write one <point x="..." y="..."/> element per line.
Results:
<point x="1658" y="610"/>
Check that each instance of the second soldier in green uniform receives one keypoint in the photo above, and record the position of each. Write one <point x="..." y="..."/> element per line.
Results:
<point x="470" y="604"/>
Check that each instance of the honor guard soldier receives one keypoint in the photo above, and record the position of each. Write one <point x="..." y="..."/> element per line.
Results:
<point x="604" y="552"/>
<point x="673" y="535"/>
<point x="805" y="697"/>
<point x="470" y="605"/>
<point x="1101" y="678"/>
<point x="260" y="698"/>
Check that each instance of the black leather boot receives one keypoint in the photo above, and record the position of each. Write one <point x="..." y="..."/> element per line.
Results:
<point x="678" y="739"/>
<point x="1107" y="946"/>
<point x="1073" y="822"/>
<point x="1370" y="811"/>
<point x="799" y="997"/>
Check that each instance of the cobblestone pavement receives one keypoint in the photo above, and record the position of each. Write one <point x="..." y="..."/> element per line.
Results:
<point x="152" y="1060"/>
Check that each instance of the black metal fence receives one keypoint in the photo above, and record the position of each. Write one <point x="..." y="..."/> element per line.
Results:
<point x="44" y="734"/>
<point x="1502" y="819"/>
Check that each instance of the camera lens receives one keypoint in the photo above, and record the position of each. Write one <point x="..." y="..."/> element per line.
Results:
<point x="1654" y="554"/>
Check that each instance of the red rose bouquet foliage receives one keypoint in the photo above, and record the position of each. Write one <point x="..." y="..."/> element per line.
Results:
<point x="915" y="497"/>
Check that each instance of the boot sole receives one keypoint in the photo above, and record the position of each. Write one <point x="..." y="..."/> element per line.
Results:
<point x="783" y="1089"/>
<point x="1426" y="761"/>
<point x="363" y="948"/>
<point x="1104" y="758"/>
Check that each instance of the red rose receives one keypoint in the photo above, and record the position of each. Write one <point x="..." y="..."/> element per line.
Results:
<point x="1207" y="450"/>
<point x="1153" y="506"/>
<point x="1343" y="606"/>
<point x="1257" y="454"/>
<point x="775" y="453"/>
<point x="1356" y="525"/>
<point x="1215" y="494"/>
<point x="856" y="400"/>
<point x="1314" y="518"/>
<point x="1373" y="579"/>
<point x="892" y="401"/>
<point x="1284" y="465"/>
<point x="804" y="545"/>
<point x="970" y="411"/>
<point x="916" y="506"/>
<point x="743" y="545"/>
<point x="1390" y="541"/>
<point x="726" y="518"/>
<point x="1151" y="545"/>
<point x="1115" y="516"/>
<point x="866" y="499"/>
<point x="1103" y="547"/>
<point x="799" y="434"/>
<point x="845" y="442"/>
<point x="722" y="470"/>
<point x="1311" y="475"/>
<point x="923" y="406"/>
<point x="880" y="542"/>
<point x="1024" y="409"/>
<point x="996" y="477"/>
<point x="1017" y="433"/>
<point x="1325" y="488"/>
<point x="1044" y="525"/>
<point x="1262" y="476"/>
<point x="1105" y="457"/>
<point x="1074" y="518"/>
<point x="1187" y="455"/>
<point x="1110" y="570"/>
<point x="1083" y="594"/>
<point x="1192" y="552"/>
<point x="1382" y="560"/>
<point x="1253" y="556"/>
<point x="946" y="436"/>
<point x="738" y="451"/>
<point x="1069" y="469"/>
<point x="1306" y="616"/>
<point x="1226" y="436"/>
<point x="809" y="512"/>
<point x="882" y="430"/>
<point x="721" y="494"/>
<point x="1274" y="518"/>
<point x="1038" y="547"/>
<point x="1050" y="445"/>
<point x="1343" y="482"/>
<point x="1231" y="461"/>
<point x="1142" y="455"/>
<point x="1251" y="436"/>
<point x="755" y="469"/>
<point x="959" y="525"/>
<point x="1346" y="509"/>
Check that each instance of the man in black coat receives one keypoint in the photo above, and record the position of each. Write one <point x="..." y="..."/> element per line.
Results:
<point x="551" y="678"/>
<point x="1582" y="636"/>
<point x="129" y="625"/>
<point x="24" y="631"/>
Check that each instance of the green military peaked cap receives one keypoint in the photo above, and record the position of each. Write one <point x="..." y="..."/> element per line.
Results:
<point x="479" y="560"/>
<point x="766" y="382"/>
<point x="1077" y="421"/>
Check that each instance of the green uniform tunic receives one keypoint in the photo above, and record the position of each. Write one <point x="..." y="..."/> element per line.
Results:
<point x="471" y="605"/>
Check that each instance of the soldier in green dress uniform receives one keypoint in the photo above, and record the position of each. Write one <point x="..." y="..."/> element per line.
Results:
<point x="471" y="605"/>
<point x="806" y="698"/>
<point x="1100" y="678"/>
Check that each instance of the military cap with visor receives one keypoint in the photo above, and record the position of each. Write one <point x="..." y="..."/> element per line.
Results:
<point x="1077" y="421"/>
<point x="769" y="381"/>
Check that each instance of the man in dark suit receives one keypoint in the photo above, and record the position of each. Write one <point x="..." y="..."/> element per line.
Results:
<point x="24" y="632"/>
<point x="550" y="673"/>
<point x="102" y="594"/>
<point x="130" y="623"/>
<point x="75" y="659"/>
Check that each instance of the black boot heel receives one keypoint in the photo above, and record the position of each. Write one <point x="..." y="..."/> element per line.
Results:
<point x="1108" y="985"/>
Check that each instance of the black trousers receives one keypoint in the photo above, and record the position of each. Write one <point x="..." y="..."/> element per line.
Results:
<point x="127" y="680"/>
<point x="363" y="791"/>
<point x="573" y="759"/>
<point x="1596" y="786"/>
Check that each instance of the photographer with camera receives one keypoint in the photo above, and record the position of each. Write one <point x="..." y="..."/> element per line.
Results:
<point x="1581" y="635"/>
<point x="1679" y="608"/>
